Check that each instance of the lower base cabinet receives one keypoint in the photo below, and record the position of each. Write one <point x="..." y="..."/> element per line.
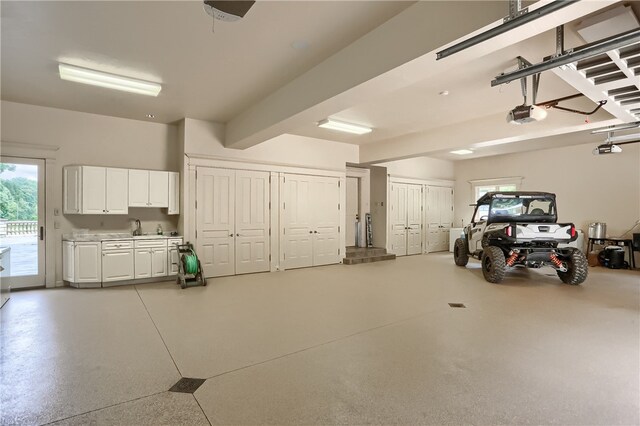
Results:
<point x="81" y="263"/>
<point x="89" y="264"/>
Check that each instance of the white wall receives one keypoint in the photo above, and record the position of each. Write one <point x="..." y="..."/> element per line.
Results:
<point x="420" y="168"/>
<point x="205" y="139"/>
<point x="589" y="188"/>
<point x="91" y="139"/>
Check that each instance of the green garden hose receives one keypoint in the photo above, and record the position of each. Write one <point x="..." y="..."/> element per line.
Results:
<point x="191" y="263"/>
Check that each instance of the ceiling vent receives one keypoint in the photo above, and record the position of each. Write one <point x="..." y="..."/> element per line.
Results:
<point x="228" y="11"/>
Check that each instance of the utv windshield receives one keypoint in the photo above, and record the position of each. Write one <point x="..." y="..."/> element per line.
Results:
<point x="531" y="209"/>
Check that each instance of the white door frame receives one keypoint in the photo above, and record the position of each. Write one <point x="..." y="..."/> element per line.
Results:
<point x="37" y="280"/>
<point x="53" y="202"/>
<point x="364" y="193"/>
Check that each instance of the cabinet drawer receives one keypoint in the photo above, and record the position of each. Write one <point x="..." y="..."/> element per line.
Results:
<point x="114" y="245"/>
<point x="151" y="243"/>
<point x="171" y="243"/>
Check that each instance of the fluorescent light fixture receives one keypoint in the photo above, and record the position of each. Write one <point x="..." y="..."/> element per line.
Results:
<point x="462" y="152"/>
<point x="341" y="126"/>
<point x="109" y="81"/>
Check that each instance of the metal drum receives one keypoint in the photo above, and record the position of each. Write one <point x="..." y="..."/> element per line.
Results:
<point x="597" y="230"/>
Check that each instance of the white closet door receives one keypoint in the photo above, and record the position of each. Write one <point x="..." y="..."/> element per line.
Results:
<point x="398" y="218"/>
<point x="414" y="219"/>
<point x="433" y="219"/>
<point x="325" y="198"/>
<point x="215" y="220"/>
<point x="252" y="222"/>
<point x="297" y="221"/>
<point x="446" y="217"/>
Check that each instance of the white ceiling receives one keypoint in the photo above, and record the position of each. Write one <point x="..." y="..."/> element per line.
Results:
<point x="223" y="75"/>
<point x="205" y="75"/>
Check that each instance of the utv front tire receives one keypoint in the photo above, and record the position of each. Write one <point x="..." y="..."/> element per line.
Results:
<point x="577" y="269"/>
<point x="493" y="264"/>
<point x="460" y="252"/>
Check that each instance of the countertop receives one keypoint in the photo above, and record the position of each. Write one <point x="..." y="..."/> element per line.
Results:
<point x="114" y="237"/>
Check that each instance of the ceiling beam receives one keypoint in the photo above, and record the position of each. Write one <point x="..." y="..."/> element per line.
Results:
<point x="399" y="53"/>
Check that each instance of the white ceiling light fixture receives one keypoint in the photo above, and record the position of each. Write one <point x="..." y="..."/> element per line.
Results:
<point x="462" y="152"/>
<point x="107" y="80"/>
<point x="342" y="126"/>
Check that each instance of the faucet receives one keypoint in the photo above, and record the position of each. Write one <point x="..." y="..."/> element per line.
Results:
<point x="138" y="230"/>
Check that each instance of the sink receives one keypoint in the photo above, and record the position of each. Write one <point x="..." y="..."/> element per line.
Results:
<point x="147" y="237"/>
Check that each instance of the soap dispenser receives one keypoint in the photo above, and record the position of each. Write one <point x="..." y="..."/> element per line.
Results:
<point x="159" y="229"/>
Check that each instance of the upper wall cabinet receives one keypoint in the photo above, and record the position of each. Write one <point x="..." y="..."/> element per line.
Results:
<point x="95" y="190"/>
<point x="148" y="188"/>
<point x="174" y="193"/>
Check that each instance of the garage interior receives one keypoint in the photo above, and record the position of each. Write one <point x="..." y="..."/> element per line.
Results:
<point x="331" y="296"/>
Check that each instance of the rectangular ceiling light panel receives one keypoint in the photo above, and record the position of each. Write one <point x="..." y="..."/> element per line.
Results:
<point x="109" y="81"/>
<point x="342" y="126"/>
<point x="462" y="152"/>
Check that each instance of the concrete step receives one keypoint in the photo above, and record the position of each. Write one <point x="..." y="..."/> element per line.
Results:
<point x="365" y="251"/>
<point x="367" y="259"/>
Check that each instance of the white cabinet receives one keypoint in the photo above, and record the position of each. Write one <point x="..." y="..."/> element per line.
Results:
<point x="95" y="190"/>
<point x="151" y="258"/>
<point x="143" y="263"/>
<point x="159" y="262"/>
<point x="117" y="261"/>
<point x="174" y="193"/>
<point x="148" y="188"/>
<point x="81" y="262"/>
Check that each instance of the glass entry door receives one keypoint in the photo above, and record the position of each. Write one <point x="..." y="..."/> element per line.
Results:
<point x="22" y="216"/>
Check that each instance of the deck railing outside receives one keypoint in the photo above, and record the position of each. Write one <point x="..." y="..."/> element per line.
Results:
<point x="18" y="227"/>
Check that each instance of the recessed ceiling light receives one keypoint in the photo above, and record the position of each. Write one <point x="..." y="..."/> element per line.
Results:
<point x="462" y="152"/>
<point x="107" y="80"/>
<point x="341" y="126"/>
<point x="150" y="116"/>
<point x="444" y="93"/>
<point x="300" y="44"/>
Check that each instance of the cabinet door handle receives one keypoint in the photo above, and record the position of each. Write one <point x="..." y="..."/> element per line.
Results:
<point x="237" y="235"/>
<point x="231" y="235"/>
<point x="311" y="232"/>
<point x="315" y="232"/>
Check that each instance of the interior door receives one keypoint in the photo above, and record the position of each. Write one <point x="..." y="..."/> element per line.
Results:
<point x="252" y="222"/>
<point x="297" y="221"/>
<point x="22" y="221"/>
<point x="326" y="219"/>
<point x="351" y="212"/>
<point x="414" y="219"/>
<point x="215" y="194"/>
<point x="398" y="218"/>
<point x="433" y="218"/>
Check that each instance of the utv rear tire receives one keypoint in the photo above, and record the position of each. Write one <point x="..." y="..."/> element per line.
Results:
<point x="460" y="252"/>
<point x="493" y="264"/>
<point x="577" y="269"/>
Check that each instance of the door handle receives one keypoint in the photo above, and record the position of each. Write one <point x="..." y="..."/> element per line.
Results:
<point x="41" y="233"/>
<point x="237" y="235"/>
<point x="231" y="235"/>
<point x="315" y="232"/>
<point x="311" y="232"/>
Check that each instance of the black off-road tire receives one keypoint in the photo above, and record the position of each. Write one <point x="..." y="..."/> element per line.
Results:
<point x="493" y="264"/>
<point x="577" y="269"/>
<point x="460" y="252"/>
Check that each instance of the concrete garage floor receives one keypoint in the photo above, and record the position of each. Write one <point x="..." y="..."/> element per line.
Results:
<point x="371" y="343"/>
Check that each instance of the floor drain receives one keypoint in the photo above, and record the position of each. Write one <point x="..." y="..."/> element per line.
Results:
<point x="457" y="305"/>
<point x="187" y="385"/>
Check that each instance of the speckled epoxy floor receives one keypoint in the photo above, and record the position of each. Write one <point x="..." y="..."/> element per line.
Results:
<point x="372" y="343"/>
